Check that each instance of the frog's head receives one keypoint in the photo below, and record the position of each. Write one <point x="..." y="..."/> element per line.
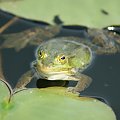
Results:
<point x="58" y="56"/>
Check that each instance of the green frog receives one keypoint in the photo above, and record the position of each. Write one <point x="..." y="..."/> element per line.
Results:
<point x="63" y="58"/>
<point x="60" y="59"/>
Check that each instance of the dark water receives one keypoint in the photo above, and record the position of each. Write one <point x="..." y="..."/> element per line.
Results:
<point x="105" y="69"/>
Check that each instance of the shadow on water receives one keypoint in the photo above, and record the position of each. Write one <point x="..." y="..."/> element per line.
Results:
<point x="105" y="70"/>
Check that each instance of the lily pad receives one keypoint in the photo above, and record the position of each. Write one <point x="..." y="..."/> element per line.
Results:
<point x="5" y="95"/>
<point x="53" y="103"/>
<point x="5" y="90"/>
<point x="91" y="13"/>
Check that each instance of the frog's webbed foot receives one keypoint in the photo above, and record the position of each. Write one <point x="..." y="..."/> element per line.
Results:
<point x="24" y="80"/>
<point x="17" y="41"/>
<point x="83" y="82"/>
<point x="73" y="90"/>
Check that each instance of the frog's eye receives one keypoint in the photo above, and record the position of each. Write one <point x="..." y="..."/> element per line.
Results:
<point x="41" y="54"/>
<point x="62" y="59"/>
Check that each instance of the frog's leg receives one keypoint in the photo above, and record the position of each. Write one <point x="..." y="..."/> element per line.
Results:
<point x="43" y="34"/>
<point x="83" y="82"/>
<point x="107" y="51"/>
<point x="24" y="80"/>
<point x="103" y="41"/>
<point x="32" y="36"/>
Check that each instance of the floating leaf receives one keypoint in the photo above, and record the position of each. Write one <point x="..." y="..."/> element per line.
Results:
<point x="55" y="104"/>
<point x="92" y="13"/>
<point x="5" y="90"/>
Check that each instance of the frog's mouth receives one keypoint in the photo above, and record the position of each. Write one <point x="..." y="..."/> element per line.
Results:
<point x="50" y="73"/>
<point x="50" y="70"/>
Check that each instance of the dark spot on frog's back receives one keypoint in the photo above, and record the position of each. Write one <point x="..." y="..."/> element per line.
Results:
<point x="104" y="12"/>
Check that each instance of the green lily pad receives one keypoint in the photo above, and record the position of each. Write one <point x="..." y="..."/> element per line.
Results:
<point x="92" y="13"/>
<point x="5" y="90"/>
<point x="54" y="103"/>
<point x="5" y="95"/>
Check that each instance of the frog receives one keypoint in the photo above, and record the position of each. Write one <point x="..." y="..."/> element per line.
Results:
<point x="61" y="59"/>
<point x="99" y="41"/>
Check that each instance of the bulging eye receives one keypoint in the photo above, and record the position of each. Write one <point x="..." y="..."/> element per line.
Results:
<point x="61" y="59"/>
<point x="41" y="54"/>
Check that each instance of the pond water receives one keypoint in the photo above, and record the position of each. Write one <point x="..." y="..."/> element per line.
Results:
<point x="105" y="69"/>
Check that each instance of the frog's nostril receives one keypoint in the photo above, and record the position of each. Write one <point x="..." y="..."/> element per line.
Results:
<point x="50" y="64"/>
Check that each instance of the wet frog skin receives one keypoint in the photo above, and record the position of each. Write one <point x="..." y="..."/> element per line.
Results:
<point x="61" y="59"/>
<point x="54" y="62"/>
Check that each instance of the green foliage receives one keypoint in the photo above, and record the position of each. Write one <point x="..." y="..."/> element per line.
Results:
<point x="4" y="91"/>
<point x="53" y="103"/>
<point x="92" y="13"/>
